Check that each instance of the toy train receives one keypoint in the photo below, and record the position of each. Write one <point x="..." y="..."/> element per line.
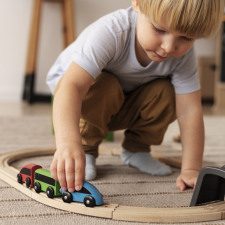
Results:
<point x="35" y="176"/>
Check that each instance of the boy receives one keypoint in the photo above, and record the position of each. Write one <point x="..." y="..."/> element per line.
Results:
<point x="133" y="69"/>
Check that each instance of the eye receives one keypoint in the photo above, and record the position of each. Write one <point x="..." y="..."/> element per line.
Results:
<point x="187" y="38"/>
<point x="158" y="30"/>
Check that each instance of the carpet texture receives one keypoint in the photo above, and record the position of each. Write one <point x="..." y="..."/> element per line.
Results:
<point x="118" y="183"/>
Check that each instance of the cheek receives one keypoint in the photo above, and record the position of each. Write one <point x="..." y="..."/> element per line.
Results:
<point x="148" y="41"/>
<point x="183" y="49"/>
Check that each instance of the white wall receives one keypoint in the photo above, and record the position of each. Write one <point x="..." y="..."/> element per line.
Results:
<point x="15" y="16"/>
<point x="14" y="22"/>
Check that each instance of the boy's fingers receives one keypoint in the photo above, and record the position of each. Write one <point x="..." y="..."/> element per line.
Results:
<point x="61" y="174"/>
<point x="53" y="169"/>
<point x="79" y="175"/>
<point x="180" y="184"/>
<point x="182" y="187"/>
<point x="192" y="182"/>
<point x="70" y="174"/>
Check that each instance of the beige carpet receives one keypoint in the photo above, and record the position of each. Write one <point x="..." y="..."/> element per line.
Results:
<point x="31" y="128"/>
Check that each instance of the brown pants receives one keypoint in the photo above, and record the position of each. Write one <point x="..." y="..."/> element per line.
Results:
<point x="144" y="114"/>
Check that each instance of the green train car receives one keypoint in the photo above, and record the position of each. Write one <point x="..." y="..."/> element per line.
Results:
<point x="43" y="181"/>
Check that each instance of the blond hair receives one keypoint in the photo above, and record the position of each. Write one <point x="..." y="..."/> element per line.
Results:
<point x="194" y="18"/>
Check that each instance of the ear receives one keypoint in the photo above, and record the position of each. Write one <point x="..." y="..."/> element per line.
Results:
<point x="135" y="5"/>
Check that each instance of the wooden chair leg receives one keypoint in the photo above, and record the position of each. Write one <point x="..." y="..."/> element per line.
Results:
<point x="68" y="35"/>
<point x="32" y="51"/>
<point x="68" y="22"/>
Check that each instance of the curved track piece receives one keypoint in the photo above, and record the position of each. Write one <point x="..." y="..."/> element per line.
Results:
<point x="112" y="211"/>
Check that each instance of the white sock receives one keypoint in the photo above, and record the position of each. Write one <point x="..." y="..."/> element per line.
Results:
<point x="90" y="169"/>
<point x="145" y="163"/>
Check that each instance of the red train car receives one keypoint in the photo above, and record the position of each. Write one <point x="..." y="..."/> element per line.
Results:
<point x="26" y="174"/>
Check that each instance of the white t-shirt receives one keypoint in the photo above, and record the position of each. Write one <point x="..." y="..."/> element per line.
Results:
<point x="109" y="44"/>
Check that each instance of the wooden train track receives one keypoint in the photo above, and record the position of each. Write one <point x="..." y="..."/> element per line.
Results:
<point x="215" y="211"/>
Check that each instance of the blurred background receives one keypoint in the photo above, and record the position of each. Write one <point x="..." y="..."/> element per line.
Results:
<point x="15" y="27"/>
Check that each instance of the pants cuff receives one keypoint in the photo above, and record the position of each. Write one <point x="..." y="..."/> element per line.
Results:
<point x="91" y="150"/>
<point x="132" y="146"/>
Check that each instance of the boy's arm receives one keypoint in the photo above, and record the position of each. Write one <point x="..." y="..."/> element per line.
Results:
<point x="68" y="165"/>
<point x="190" y="120"/>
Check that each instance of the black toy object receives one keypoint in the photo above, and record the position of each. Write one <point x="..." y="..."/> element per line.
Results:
<point x="210" y="186"/>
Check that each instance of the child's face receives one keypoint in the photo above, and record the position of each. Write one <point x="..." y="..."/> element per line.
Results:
<point x="157" y="42"/>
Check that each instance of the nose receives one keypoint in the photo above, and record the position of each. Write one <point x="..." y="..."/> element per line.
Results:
<point x="169" y="44"/>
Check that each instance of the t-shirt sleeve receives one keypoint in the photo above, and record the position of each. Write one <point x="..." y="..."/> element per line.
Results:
<point x="92" y="50"/>
<point x="185" y="77"/>
<point x="95" y="48"/>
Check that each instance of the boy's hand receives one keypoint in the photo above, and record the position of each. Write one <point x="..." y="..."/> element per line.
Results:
<point x="68" y="167"/>
<point x="187" y="178"/>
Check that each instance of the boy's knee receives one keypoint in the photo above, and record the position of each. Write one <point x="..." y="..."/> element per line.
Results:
<point x="105" y="96"/>
<point x="106" y="85"/>
<point x="162" y="99"/>
<point x="163" y="88"/>
<point x="167" y="91"/>
<point x="167" y="98"/>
